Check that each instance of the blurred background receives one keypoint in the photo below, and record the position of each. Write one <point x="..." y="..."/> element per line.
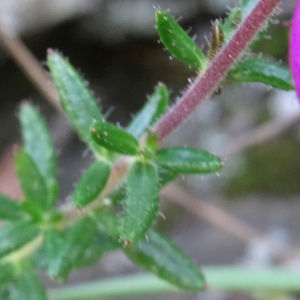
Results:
<point x="238" y="216"/>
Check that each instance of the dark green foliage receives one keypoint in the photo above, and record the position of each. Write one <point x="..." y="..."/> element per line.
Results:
<point x="65" y="251"/>
<point x="14" y="235"/>
<point x="8" y="272"/>
<point x="76" y="99"/>
<point x="141" y="201"/>
<point x="29" y="287"/>
<point x="9" y="208"/>
<point x="161" y="256"/>
<point x="262" y="71"/>
<point x="37" y="234"/>
<point x="188" y="160"/>
<point x="155" y="106"/>
<point x="91" y="183"/>
<point x="114" y="138"/>
<point x="32" y="183"/>
<point x="38" y="145"/>
<point x="178" y="42"/>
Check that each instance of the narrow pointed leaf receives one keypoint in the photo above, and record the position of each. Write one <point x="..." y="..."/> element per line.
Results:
<point x="38" y="145"/>
<point x="29" y="287"/>
<point x="91" y="183"/>
<point x="76" y="99"/>
<point x="72" y="249"/>
<point x="294" y="48"/>
<point x="114" y="138"/>
<point x="159" y="255"/>
<point x="10" y="209"/>
<point x="141" y="202"/>
<point x="188" y="160"/>
<point x="151" y="111"/>
<point x="15" y="234"/>
<point x="257" y="70"/>
<point x="32" y="183"/>
<point x="178" y="42"/>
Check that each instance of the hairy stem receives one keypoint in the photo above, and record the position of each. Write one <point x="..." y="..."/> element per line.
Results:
<point x="206" y="83"/>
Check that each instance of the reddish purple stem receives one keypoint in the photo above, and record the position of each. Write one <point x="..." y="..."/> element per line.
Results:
<point x="208" y="82"/>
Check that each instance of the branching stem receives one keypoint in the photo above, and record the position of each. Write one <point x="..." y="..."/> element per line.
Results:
<point x="205" y="84"/>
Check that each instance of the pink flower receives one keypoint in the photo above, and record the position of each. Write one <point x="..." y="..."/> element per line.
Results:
<point x="294" y="48"/>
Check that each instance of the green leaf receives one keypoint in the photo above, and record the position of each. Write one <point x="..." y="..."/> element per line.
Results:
<point x="114" y="138"/>
<point x="29" y="287"/>
<point x="71" y="249"/>
<point x="257" y="70"/>
<point x="91" y="183"/>
<point x="38" y="145"/>
<point x="188" y="160"/>
<point x="231" y="22"/>
<point x="155" y="106"/>
<point x="75" y="97"/>
<point x="7" y="272"/>
<point x="236" y="16"/>
<point x="15" y="234"/>
<point x="32" y="183"/>
<point x="178" y="42"/>
<point x="105" y="239"/>
<point x="9" y="208"/>
<point x="159" y="255"/>
<point x="166" y="175"/>
<point x="141" y="201"/>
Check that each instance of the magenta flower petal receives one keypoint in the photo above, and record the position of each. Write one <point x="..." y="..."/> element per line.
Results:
<point x="294" y="48"/>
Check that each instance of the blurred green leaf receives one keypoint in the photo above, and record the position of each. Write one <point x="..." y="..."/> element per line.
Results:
<point x="114" y="138"/>
<point x="9" y="208"/>
<point x="159" y="255"/>
<point x="188" y="160"/>
<point x="91" y="183"/>
<point x="257" y="70"/>
<point x="75" y="97"/>
<point x="38" y="145"/>
<point x="231" y="22"/>
<point x="105" y="239"/>
<point x="166" y="175"/>
<point x="141" y="201"/>
<point x="29" y="287"/>
<point x="7" y="272"/>
<point x="32" y="183"/>
<point x="155" y="106"/>
<point x="15" y="234"/>
<point x="71" y="249"/>
<point x="178" y="42"/>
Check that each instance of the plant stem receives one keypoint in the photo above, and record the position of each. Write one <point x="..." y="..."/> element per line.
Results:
<point x="206" y="83"/>
<point x="218" y="278"/>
